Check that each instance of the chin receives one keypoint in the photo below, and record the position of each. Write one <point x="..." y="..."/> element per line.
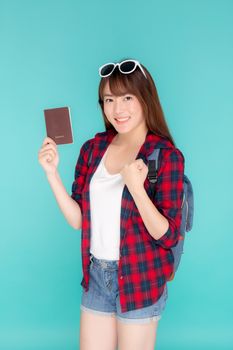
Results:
<point x="123" y="131"/>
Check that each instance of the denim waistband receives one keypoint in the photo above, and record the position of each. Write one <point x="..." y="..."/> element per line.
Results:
<point x="105" y="263"/>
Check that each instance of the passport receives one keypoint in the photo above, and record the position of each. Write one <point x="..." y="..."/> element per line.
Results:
<point x="59" y="125"/>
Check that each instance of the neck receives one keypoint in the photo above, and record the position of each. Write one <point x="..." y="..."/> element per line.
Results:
<point x="134" y="137"/>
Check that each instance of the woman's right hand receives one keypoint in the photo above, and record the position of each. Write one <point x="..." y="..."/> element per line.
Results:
<point x="48" y="156"/>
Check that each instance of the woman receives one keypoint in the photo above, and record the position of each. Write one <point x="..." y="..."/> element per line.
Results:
<point x="127" y="234"/>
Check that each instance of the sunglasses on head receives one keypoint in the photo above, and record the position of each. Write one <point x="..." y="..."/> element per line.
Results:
<point x="125" y="67"/>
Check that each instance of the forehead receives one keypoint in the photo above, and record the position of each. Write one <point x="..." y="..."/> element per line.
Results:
<point x="117" y="90"/>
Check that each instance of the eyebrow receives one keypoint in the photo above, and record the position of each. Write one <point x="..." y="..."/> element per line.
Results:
<point x="126" y="93"/>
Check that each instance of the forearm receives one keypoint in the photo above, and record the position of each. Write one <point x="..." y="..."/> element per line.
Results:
<point x="68" y="205"/>
<point x="156" y="224"/>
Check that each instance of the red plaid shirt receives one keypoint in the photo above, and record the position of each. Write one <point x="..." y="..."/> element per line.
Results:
<point x="145" y="264"/>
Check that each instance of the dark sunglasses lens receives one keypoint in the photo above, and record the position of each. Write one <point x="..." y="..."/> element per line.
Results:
<point x="127" y="66"/>
<point x="107" y="69"/>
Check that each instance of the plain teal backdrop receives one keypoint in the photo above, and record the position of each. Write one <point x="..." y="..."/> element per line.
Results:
<point x="50" y="54"/>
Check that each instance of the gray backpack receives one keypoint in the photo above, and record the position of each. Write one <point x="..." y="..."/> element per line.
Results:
<point x="187" y="206"/>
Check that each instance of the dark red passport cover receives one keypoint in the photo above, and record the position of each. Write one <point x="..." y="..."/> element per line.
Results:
<point x="59" y="125"/>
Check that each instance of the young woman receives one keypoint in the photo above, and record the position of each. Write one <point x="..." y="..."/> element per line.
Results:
<point x="127" y="234"/>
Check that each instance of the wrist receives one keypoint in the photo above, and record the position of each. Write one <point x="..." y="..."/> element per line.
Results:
<point x="52" y="175"/>
<point x="138" y="192"/>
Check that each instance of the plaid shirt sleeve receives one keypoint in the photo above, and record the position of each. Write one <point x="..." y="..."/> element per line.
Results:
<point x="169" y="194"/>
<point x="80" y="174"/>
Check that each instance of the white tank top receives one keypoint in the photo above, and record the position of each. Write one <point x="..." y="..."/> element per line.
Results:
<point x="105" y="205"/>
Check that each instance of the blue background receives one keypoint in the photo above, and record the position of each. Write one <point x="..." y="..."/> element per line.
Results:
<point x="50" y="54"/>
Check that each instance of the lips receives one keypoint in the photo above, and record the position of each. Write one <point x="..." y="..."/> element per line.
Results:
<point x="122" y="120"/>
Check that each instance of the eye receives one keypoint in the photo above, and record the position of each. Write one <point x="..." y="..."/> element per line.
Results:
<point x="107" y="99"/>
<point x="128" y="97"/>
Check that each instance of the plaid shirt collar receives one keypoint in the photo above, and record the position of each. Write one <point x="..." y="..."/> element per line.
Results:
<point x="151" y="142"/>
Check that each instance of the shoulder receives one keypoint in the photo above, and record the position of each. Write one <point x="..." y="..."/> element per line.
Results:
<point x="99" y="136"/>
<point x="86" y="145"/>
<point x="172" y="161"/>
<point x="173" y="154"/>
<point x="168" y="151"/>
<point x="85" y="149"/>
<point x="89" y="143"/>
<point x="102" y="134"/>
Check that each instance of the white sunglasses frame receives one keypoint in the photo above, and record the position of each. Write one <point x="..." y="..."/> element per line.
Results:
<point x="137" y="64"/>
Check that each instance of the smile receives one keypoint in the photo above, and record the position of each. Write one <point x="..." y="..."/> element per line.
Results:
<point x="122" y="120"/>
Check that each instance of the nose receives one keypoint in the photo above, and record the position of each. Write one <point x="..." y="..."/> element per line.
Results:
<point x="118" y="107"/>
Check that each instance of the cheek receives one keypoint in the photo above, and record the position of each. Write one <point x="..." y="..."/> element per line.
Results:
<point x="107" y="110"/>
<point x="140" y="115"/>
<point x="137" y="114"/>
<point x="136" y="108"/>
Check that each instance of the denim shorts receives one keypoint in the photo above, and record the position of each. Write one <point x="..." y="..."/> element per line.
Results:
<point x="102" y="296"/>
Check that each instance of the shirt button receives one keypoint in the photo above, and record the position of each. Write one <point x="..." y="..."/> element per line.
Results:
<point x="121" y="277"/>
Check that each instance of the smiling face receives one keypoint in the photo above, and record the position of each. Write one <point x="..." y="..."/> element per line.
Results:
<point x="123" y="112"/>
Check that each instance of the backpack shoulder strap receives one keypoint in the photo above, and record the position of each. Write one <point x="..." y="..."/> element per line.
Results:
<point x="189" y="199"/>
<point x="153" y="165"/>
<point x="90" y="156"/>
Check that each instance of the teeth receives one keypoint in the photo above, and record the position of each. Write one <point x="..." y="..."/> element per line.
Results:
<point x="122" y="119"/>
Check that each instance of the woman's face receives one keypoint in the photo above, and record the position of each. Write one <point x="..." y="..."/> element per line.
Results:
<point x="123" y="112"/>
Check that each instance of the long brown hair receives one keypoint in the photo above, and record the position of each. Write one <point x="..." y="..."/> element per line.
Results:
<point x="146" y="92"/>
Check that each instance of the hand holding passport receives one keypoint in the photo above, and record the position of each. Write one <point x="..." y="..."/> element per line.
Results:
<point x="59" y="125"/>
